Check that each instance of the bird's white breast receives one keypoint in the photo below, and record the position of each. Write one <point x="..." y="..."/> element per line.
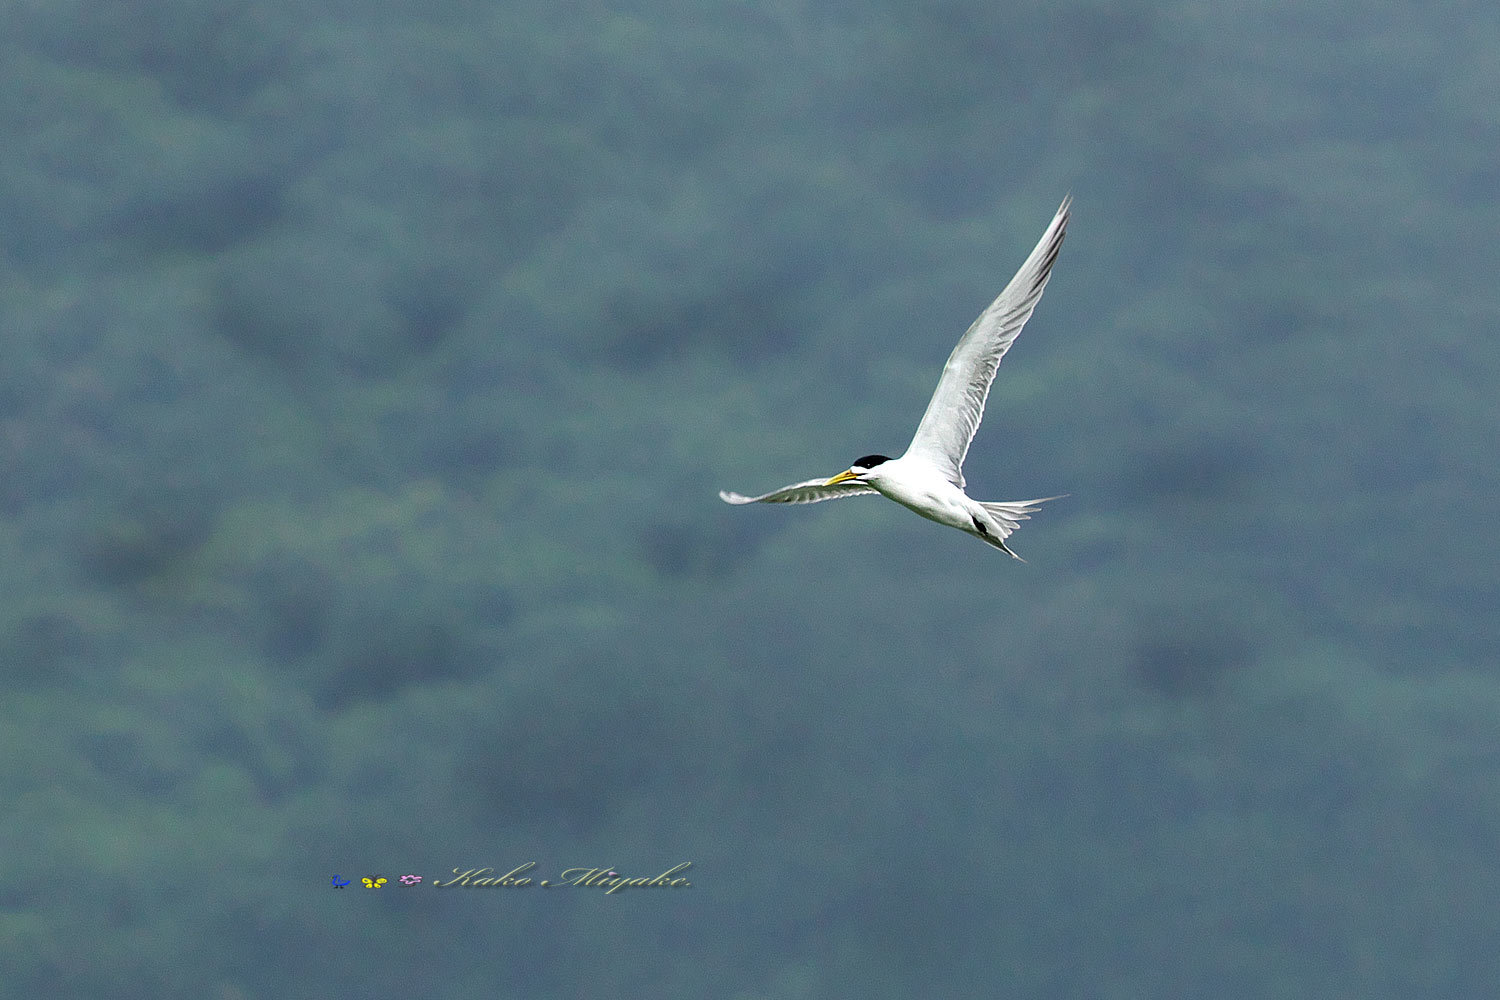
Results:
<point x="918" y="486"/>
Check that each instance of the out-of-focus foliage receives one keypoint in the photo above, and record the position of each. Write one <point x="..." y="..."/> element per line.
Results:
<point x="369" y="375"/>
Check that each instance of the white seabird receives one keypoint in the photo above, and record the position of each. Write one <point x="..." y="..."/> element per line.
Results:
<point x="929" y="478"/>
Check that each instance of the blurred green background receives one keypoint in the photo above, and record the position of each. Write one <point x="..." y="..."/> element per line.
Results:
<point x="369" y="374"/>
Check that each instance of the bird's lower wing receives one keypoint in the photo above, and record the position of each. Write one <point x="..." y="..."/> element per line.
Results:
<point x="812" y="491"/>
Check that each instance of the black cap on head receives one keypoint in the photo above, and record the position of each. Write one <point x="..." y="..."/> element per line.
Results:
<point x="870" y="461"/>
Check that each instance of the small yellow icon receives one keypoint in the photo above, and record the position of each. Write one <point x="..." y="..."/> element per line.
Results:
<point x="374" y="883"/>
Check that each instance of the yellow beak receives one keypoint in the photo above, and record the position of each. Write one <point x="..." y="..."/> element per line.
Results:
<point x="842" y="477"/>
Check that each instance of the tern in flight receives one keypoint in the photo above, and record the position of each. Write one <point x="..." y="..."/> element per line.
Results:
<point x="929" y="478"/>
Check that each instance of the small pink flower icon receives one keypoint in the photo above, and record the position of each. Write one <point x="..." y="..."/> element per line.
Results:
<point x="410" y="879"/>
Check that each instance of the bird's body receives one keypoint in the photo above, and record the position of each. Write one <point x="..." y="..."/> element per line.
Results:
<point x="928" y="478"/>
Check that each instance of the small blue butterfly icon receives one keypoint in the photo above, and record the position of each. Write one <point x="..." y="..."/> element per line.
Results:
<point x="339" y="885"/>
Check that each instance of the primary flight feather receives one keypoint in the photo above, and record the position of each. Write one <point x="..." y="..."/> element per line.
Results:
<point x="929" y="477"/>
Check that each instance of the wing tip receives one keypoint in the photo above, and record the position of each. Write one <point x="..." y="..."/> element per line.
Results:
<point x="1051" y="244"/>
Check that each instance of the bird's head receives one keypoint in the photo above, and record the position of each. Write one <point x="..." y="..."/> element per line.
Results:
<point x="862" y="470"/>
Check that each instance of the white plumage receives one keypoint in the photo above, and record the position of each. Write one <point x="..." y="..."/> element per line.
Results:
<point x="929" y="478"/>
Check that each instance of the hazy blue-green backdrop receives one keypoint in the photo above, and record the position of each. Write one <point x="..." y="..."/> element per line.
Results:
<point x="369" y="372"/>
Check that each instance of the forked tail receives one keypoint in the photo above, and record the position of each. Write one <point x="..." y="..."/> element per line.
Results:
<point x="1006" y="516"/>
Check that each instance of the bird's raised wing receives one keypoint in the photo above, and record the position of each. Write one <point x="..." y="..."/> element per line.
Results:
<point x="812" y="491"/>
<point x="957" y="406"/>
